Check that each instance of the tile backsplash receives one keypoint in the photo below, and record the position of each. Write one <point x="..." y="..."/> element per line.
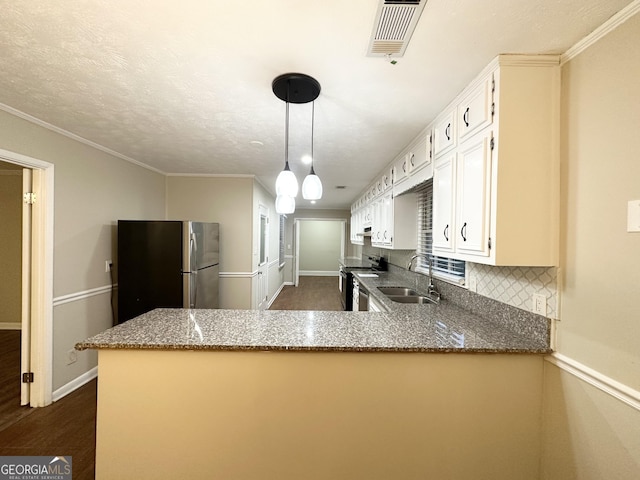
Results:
<point x="510" y="285"/>
<point x="516" y="285"/>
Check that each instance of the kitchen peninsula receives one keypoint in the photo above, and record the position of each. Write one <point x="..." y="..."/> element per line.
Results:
<point x="419" y="391"/>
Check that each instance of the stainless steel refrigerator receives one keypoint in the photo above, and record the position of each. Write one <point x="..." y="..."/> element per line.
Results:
<point x="166" y="264"/>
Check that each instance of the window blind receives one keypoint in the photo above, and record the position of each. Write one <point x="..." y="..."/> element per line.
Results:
<point x="445" y="268"/>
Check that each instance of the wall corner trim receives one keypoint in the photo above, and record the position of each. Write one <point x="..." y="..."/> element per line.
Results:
<point x="602" y="382"/>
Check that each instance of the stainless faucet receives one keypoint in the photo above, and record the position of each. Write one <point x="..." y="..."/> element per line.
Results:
<point x="431" y="288"/>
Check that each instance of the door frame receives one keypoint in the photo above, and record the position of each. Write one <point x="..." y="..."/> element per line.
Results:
<point x="296" y="236"/>
<point x="40" y="316"/>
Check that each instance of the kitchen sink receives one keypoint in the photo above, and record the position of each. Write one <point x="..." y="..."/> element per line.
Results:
<point x="410" y="299"/>
<point x="398" y="291"/>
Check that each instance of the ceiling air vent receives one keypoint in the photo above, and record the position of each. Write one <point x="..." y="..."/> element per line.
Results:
<point x="393" y="26"/>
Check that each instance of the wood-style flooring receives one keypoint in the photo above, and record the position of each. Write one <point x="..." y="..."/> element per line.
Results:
<point x="66" y="428"/>
<point x="312" y="293"/>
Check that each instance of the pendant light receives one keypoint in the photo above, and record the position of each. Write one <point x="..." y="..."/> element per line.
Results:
<point x="286" y="183"/>
<point x="292" y="88"/>
<point x="312" y="186"/>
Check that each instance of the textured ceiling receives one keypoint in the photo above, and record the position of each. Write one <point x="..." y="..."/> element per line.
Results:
<point x="185" y="86"/>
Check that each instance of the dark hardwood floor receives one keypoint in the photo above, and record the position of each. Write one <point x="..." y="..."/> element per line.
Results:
<point x="312" y="293"/>
<point x="66" y="428"/>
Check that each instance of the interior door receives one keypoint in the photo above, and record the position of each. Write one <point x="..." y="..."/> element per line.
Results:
<point x="263" y="259"/>
<point x="25" y="352"/>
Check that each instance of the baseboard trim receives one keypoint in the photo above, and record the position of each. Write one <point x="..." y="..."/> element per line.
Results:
<point x="10" y="326"/>
<point x="596" y="379"/>
<point x="318" y="273"/>
<point x="75" y="384"/>
<point x="274" y="296"/>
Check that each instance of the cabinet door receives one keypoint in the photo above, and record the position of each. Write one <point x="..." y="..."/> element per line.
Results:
<point x="418" y="156"/>
<point x="444" y="134"/>
<point x="473" y="184"/>
<point x="376" y="222"/>
<point x="386" y="215"/>
<point x="400" y="169"/>
<point x="443" y="201"/>
<point x="475" y="111"/>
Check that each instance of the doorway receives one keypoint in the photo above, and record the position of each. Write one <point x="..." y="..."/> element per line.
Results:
<point x="319" y="243"/>
<point x="10" y="292"/>
<point x="36" y="311"/>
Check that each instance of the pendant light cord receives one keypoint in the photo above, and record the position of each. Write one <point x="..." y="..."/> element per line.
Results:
<point x="313" y="118"/>
<point x="286" y="133"/>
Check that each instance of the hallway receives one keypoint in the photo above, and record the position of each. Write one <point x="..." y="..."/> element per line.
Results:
<point x="312" y="293"/>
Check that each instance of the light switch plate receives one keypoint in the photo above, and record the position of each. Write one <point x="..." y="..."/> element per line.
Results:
<point x="633" y="216"/>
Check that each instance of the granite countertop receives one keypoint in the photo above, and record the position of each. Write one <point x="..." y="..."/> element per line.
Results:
<point x="442" y="328"/>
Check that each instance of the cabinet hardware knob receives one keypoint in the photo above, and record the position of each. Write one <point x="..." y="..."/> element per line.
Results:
<point x="447" y="131"/>
<point x="446" y="233"/>
<point x="465" y="117"/>
<point x="463" y="232"/>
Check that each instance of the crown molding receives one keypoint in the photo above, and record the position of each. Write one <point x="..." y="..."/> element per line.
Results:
<point x="607" y="27"/>
<point x="73" y="136"/>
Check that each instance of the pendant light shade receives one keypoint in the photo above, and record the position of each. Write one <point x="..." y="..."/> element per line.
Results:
<point x="287" y="183"/>
<point x="285" y="204"/>
<point x="312" y="186"/>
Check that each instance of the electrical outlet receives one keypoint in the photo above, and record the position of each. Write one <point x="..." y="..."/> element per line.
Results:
<point x="107" y="266"/>
<point x="72" y="356"/>
<point x="539" y="303"/>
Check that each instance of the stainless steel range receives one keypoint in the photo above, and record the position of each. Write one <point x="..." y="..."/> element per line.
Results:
<point x="347" y="266"/>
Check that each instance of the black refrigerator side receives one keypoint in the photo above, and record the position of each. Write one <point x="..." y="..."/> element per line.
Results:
<point x="149" y="266"/>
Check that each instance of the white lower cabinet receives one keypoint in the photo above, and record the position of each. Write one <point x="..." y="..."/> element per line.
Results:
<point x="374" y="306"/>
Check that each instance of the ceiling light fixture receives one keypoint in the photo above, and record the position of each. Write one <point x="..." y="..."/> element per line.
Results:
<point x="312" y="186"/>
<point x="292" y="88"/>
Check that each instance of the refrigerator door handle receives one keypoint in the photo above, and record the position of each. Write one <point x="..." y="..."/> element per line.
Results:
<point x="194" y="289"/>
<point x="193" y="247"/>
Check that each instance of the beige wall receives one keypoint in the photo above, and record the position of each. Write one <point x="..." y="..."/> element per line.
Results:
<point x="589" y="435"/>
<point x="229" y="202"/>
<point x="10" y="245"/>
<point x="92" y="191"/>
<point x="320" y="246"/>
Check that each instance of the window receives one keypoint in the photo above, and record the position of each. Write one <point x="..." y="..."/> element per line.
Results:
<point x="443" y="268"/>
<point x="283" y="219"/>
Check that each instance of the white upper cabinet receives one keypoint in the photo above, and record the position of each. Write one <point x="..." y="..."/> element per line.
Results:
<point x="473" y="179"/>
<point x="444" y="132"/>
<point x="416" y="162"/>
<point x="503" y="170"/>
<point x="444" y="184"/>
<point x="475" y="111"/>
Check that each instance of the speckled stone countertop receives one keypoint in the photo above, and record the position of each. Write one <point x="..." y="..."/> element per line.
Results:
<point x="443" y="328"/>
